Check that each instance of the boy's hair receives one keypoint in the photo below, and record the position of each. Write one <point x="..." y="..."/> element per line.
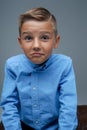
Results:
<point x="38" y="14"/>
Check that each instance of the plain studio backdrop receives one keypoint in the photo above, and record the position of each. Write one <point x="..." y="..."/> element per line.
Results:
<point x="72" y="27"/>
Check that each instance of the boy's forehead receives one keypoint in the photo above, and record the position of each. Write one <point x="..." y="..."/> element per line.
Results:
<point x="30" y="26"/>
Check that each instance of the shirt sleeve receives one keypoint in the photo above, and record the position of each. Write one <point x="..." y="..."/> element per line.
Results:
<point x="68" y="99"/>
<point x="10" y="102"/>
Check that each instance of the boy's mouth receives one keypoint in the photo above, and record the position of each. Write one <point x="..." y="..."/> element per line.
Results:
<point x="36" y="54"/>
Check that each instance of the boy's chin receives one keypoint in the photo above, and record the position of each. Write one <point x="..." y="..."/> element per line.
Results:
<point x="38" y="61"/>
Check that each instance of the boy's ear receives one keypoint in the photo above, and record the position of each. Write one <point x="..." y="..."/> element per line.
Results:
<point x="19" y="41"/>
<point x="57" y="41"/>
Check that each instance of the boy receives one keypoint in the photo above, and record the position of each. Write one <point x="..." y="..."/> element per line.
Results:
<point x="39" y="90"/>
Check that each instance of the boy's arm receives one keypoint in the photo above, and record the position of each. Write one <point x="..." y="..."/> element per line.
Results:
<point x="68" y="100"/>
<point x="9" y="102"/>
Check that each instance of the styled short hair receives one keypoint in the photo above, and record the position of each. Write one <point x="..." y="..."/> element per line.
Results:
<point x="38" y="14"/>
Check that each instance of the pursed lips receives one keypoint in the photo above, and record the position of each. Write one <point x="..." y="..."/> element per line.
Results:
<point x="37" y="54"/>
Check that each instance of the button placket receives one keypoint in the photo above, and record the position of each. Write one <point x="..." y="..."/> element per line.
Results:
<point x="35" y="101"/>
<point x="35" y="98"/>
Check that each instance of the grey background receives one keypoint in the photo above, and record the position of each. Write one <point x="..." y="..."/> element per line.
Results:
<point x="72" y="26"/>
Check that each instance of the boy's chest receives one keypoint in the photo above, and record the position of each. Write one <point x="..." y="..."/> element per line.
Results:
<point x="35" y="85"/>
<point x="38" y="91"/>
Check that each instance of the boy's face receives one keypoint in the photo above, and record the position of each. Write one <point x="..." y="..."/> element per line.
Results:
<point x="38" y="40"/>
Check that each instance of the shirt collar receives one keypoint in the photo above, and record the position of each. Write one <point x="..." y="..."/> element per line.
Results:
<point x="40" y="67"/>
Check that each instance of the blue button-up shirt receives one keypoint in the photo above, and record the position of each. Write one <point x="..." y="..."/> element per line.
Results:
<point x="42" y="96"/>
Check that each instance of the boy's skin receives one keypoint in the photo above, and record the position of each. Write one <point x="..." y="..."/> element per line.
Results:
<point x="38" y="40"/>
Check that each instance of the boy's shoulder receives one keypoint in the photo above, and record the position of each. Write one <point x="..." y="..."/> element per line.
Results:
<point x="16" y="59"/>
<point x="61" y="57"/>
<point x="62" y="62"/>
<point x="17" y="64"/>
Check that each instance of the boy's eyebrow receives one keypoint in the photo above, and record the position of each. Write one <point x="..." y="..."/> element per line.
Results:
<point x="23" y="33"/>
<point x="47" y="32"/>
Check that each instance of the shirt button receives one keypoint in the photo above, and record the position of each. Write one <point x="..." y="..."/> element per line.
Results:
<point x="35" y="105"/>
<point x="34" y="88"/>
<point x="36" y="121"/>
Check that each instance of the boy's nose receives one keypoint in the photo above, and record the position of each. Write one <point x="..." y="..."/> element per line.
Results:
<point x="36" y="43"/>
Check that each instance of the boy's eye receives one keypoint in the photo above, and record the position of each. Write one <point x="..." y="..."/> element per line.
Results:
<point x="45" y="38"/>
<point x="28" y="38"/>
